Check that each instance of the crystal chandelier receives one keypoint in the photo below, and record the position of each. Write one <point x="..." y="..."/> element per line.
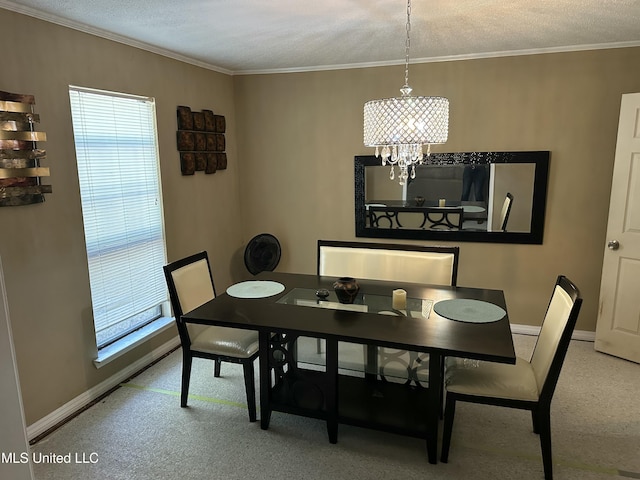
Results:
<point x="399" y="127"/>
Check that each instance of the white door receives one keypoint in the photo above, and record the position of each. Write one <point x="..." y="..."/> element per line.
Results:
<point x="618" y="327"/>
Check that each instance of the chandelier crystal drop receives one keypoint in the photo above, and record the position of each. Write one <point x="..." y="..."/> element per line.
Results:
<point x="399" y="127"/>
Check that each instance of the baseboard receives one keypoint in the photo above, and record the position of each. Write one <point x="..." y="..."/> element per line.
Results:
<point x="582" y="335"/>
<point x="72" y="407"/>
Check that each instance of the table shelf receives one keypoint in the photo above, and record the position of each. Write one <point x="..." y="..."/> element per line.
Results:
<point x="301" y="392"/>
<point x="385" y="406"/>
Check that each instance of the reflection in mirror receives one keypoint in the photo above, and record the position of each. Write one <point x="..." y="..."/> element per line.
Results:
<point x="476" y="196"/>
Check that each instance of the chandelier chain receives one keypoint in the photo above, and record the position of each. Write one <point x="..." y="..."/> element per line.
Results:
<point x="407" y="44"/>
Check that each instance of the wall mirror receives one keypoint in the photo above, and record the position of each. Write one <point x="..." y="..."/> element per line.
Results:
<point x="468" y="197"/>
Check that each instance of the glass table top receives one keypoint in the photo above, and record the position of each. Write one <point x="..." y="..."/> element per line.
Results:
<point x="364" y="302"/>
<point x="395" y="365"/>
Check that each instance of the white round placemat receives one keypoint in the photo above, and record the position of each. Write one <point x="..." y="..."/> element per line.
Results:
<point x="255" y="289"/>
<point x="467" y="310"/>
<point x="473" y="209"/>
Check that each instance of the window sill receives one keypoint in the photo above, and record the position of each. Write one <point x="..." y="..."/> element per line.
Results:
<point x="128" y="343"/>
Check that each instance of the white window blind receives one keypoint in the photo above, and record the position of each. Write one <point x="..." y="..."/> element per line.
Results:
<point x="116" y="151"/>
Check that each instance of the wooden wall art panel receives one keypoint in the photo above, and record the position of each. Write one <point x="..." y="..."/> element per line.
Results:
<point x="20" y="157"/>
<point x="201" y="141"/>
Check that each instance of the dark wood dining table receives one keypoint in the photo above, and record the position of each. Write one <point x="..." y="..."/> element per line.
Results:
<point x="366" y="401"/>
<point x="451" y="214"/>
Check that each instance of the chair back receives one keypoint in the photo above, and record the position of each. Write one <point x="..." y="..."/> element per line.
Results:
<point x="190" y="285"/>
<point x="434" y="265"/>
<point x="555" y="336"/>
<point x="506" y="210"/>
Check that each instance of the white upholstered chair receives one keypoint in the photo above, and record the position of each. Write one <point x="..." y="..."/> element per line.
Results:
<point x="527" y="385"/>
<point x="423" y="264"/>
<point x="190" y="285"/>
<point x="434" y="265"/>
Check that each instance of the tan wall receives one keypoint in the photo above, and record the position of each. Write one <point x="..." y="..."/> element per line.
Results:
<point x="42" y="246"/>
<point x="301" y="131"/>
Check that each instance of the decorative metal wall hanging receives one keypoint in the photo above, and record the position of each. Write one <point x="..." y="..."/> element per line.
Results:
<point x="201" y="141"/>
<point x="20" y="157"/>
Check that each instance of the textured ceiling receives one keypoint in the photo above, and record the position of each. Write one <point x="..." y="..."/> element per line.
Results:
<point x="250" y="36"/>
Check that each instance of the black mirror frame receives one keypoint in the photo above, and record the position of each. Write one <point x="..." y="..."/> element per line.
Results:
<point x="535" y="236"/>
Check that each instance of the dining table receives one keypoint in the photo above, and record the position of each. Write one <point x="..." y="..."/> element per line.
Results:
<point x="435" y="213"/>
<point x="441" y="321"/>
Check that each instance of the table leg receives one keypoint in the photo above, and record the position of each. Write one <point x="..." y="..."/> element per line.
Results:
<point x="332" y="389"/>
<point x="371" y="363"/>
<point x="265" y="380"/>
<point x="433" y="406"/>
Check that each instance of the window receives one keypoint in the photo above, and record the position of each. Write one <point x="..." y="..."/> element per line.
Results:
<point x="117" y="156"/>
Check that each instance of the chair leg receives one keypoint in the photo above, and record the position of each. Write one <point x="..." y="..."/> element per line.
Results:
<point x="250" y="388"/>
<point x="441" y="404"/>
<point x="534" y="420"/>
<point x="543" y="419"/>
<point x="186" y="377"/>
<point x="216" y="367"/>
<point x="318" y="345"/>
<point x="449" y="412"/>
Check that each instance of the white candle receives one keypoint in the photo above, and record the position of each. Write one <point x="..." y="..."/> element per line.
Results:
<point x="441" y="202"/>
<point x="399" y="301"/>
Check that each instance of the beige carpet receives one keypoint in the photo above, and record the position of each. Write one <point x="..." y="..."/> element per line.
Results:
<point x="140" y="432"/>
